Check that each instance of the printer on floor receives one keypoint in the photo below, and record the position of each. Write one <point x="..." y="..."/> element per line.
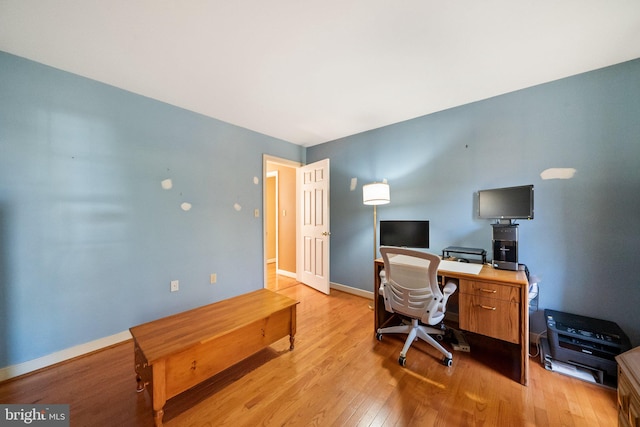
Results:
<point x="585" y="342"/>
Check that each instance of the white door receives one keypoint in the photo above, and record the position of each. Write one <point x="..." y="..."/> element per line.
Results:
<point x="312" y="183"/>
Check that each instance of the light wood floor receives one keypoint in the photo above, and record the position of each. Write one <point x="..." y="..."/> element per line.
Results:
<point x="276" y="282"/>
<point x="338" y="375"/>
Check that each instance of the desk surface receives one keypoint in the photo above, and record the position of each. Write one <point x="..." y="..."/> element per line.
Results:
<point x="487" y="272"/>
<point x="163" y="337"/>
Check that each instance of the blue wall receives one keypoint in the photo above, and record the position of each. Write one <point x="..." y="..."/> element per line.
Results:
<point x="584" y="242"/>
<point x="89" y="240"/>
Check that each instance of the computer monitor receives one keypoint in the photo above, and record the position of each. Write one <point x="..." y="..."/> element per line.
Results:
<point x="506" y="203"/>
<point x="405" y="233"/>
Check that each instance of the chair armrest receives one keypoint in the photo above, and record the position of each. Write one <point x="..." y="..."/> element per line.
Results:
<point x="449" y="288"/>
<point x="383" y="280"/>
<point x="447" y="291"/>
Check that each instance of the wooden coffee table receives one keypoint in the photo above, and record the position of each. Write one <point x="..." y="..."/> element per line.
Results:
<point x="177" y="352"/>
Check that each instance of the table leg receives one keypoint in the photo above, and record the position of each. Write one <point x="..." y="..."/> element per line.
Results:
<point x="157" y="417"/>
<point x="159" y="392"/>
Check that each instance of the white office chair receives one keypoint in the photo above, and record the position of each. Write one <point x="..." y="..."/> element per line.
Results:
<point x="410" y="288"/>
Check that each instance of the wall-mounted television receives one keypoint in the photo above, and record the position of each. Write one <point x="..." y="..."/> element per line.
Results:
<point x="506" y="203"/>
<point x="405" y="233"/>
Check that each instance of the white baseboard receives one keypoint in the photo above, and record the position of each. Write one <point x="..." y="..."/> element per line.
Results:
<point x="286" y="273"/>
<point x="69" y="353"/>
<point x="62" y="355"/>
<point x="353" y="291"/>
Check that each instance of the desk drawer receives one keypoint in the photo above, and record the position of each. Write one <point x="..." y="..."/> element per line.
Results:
<point x="490" y="290"/>
<point x="491" y="317"/>
<point x="628" y="401"/>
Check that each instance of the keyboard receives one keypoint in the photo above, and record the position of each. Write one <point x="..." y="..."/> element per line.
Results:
<point x="445" y="265"/>
<point x="459" y="267"/>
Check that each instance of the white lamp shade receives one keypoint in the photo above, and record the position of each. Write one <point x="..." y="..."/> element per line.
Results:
<point x="376" y="193"/>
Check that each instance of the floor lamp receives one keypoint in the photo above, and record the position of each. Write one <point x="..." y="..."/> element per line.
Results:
<point x="376" y="193"/>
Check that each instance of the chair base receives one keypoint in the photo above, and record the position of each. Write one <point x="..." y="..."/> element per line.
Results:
<point x="414" y="331"/>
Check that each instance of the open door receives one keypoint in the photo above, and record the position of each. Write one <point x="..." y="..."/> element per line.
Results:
<point x="312" y="182"/>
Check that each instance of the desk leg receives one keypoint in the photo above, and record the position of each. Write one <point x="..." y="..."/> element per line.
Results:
<point x="524" y="337"/>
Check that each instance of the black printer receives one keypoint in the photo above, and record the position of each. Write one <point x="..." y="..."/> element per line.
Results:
<point x="585" y="342"/>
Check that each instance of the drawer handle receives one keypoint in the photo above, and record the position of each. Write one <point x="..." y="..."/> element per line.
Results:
<point x="623" y="402"/>
<point x="486" y="307"/>
<point x="488" y="291"/>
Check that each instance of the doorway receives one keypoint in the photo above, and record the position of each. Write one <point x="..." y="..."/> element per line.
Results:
<point x="280" y="223"/>
<point x="296" y="224"/>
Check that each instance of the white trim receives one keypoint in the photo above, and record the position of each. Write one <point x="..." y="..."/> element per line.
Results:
<point x="276" y="175"/>
<point x="266" y="160"/>
<point x="352" y="291"/>
<point x="291" y="274"/>
<point x="69" y="353"/>
<point x="62" y="355"/>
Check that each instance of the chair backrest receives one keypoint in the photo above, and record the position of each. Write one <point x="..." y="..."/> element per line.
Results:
<point x="411" y="284"/>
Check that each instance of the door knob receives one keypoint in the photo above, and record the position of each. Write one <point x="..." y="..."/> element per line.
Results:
<point x="326" y="233"/>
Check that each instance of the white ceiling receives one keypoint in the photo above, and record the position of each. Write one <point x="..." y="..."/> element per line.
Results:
<point x="314" y="71"/>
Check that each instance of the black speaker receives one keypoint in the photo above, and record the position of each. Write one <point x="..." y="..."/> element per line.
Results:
<point x="505" y="246"/>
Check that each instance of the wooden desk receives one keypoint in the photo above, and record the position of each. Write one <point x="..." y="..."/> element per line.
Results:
<point x="629" y="388"/>
<point x="494" y="303"/>
<point x="175" y="353"/>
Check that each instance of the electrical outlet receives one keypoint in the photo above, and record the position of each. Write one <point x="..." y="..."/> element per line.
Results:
<point x="175" y="285"/>
<point x="213" y="278"/>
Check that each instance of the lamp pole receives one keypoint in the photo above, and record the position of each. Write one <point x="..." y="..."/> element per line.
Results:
<point x="375" y="226"/>
<point x="376" y="193"/>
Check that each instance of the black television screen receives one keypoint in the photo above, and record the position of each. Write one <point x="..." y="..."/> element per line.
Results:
<point x="506" y="203"/>
<point x="409" y="234"/>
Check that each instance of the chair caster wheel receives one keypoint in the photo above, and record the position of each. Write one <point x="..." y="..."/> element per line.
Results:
<point x="447" y="362"/>
<point x="379" y="336"/>
<point x="402" y="361"/>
